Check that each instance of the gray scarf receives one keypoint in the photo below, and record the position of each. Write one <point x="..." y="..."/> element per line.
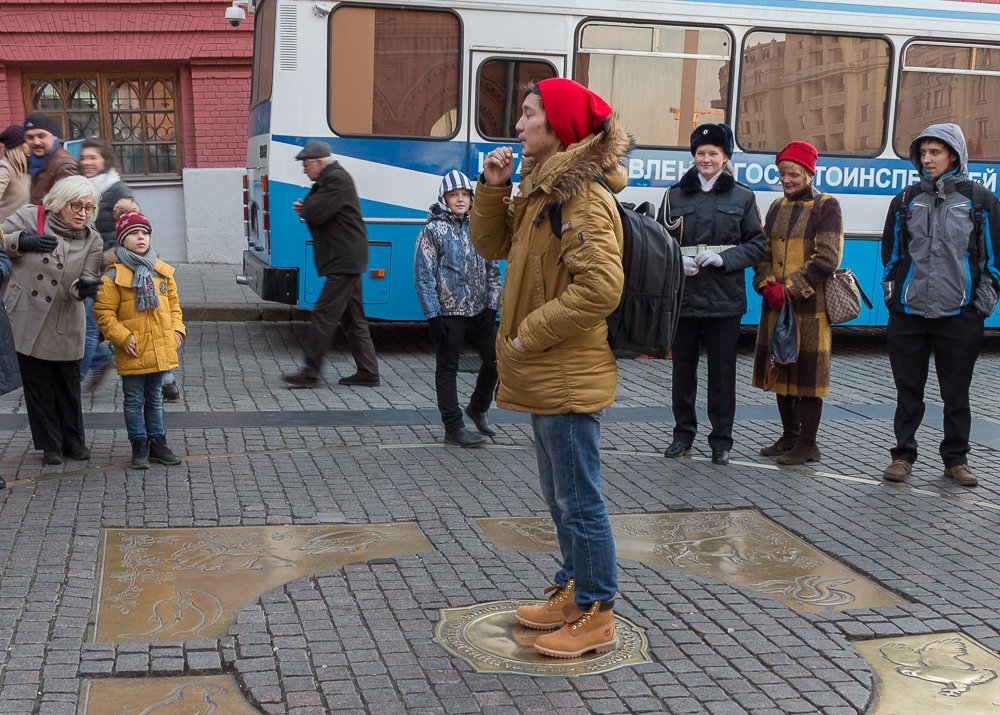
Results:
<point x="142" y="277"/>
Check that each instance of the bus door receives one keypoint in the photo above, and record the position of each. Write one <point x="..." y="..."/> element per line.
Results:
<point x="495" y="98"/>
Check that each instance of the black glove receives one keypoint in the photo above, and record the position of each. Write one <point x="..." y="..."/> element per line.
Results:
<point x="438" y="328"/>
<point x="87" y="287"/>
<point x="39" y="242"/>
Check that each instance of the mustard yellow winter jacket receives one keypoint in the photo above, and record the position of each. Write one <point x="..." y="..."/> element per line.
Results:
<point x="557" y="291"/>
<point x="154" y="330"/>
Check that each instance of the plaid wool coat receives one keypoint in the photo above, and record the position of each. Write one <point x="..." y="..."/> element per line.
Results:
<point x="805" y="242"/>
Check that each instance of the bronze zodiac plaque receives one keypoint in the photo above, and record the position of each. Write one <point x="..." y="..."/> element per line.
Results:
<point x="486" y="636"/>
<point x="933" y="673"/>
<point x="189" y="584"/>
<point x="198" y="695"/>
<point x="740" y="547"/>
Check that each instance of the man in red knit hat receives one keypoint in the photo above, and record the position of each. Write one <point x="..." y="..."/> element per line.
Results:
<point x="553" y="357"/>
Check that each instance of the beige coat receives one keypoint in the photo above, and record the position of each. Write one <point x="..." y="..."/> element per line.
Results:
<point x="557" y="292"/>
<point x="14" y="189"/>
<point x="44" y="306"/>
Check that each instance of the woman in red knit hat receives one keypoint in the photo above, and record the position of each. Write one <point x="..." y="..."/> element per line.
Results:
<point x="805" y="241"/>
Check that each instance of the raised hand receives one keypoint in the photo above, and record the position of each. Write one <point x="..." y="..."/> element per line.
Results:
<point x="499" y="166"/>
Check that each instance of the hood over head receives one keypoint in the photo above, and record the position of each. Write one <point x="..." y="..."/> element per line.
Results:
<point x="949" y="134"/>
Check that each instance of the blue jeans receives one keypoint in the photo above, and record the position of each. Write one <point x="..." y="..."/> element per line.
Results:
<point x="143" y="405"/>
<point x="569" y="470"/>
<point x="94" y="357"/>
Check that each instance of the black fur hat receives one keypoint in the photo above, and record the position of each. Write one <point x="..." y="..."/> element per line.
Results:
<point x="720" y="135"/>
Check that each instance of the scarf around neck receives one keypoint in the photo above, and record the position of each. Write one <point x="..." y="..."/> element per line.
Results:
<point x="35" y="162"/>
<point x="105" y="180"/>
<point x="142" y="277"/>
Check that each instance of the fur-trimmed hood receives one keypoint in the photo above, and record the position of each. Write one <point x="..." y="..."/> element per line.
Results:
<point x="599" y="155"/>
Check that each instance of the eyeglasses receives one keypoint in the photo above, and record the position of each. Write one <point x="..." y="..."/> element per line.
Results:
<point x="77" y="207"/>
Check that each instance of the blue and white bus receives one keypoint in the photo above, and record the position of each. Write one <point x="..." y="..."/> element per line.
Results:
<point x="406" y="92"/>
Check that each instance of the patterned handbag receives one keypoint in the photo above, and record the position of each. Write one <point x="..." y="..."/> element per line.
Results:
<point x="844" y="296"/>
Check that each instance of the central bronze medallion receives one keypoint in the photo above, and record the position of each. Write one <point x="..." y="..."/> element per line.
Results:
<point x="740" y="547"/>
<point x="486" y="636"/>
<point x="189" y="584"/>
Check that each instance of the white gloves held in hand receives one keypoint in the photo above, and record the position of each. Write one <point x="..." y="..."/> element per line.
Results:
<point x="690" y="267"/>
<point x="708" y="258"/>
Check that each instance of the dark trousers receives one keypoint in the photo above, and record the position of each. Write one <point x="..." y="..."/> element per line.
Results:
<point x="340" y="303"/>
<point x="719" y="336"/>
<point x="955" y="342"/>
<point x="52" y="398"/>
<point x="482" y="336"/>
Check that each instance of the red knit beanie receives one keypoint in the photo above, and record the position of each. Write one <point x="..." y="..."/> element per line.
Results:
<point x="128" y="218"/>
<point x="802" y="153"/>
<point x="572" y="109"/>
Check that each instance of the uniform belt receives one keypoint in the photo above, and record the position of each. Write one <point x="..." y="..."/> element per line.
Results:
<point x="692" y="251"/>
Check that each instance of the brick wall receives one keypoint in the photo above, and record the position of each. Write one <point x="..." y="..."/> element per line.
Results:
<point x="212" y="59"/>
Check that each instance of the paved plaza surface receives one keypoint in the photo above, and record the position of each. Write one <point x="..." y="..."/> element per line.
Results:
<point x="357" y="635"/>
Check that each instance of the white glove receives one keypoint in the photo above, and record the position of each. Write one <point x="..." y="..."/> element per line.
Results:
<point x="709" y="258"/>
<point x="690" y="267"/>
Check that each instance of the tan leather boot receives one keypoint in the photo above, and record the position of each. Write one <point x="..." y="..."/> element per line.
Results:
<point x="548" y="615"/>
<point x="593" y="631"/>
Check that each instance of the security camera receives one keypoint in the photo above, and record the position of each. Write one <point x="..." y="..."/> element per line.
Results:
<point x="235" y="15"/>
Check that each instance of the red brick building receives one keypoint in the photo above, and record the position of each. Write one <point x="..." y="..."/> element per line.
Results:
<point x="166" y="83"/>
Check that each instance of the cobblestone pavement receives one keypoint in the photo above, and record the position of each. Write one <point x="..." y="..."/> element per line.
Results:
<point x="358" y="638"/>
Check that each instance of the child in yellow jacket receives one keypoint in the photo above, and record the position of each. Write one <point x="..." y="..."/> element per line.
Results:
<point x="137" y="309"/>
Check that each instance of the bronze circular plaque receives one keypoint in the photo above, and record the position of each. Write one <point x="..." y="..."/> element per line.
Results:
<point x="486" y="636"/>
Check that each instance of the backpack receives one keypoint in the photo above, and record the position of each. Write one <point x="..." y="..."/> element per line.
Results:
<point x="646" y="317"/>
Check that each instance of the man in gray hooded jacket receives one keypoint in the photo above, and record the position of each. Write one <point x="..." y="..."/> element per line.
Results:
<point x="941" y="251"/>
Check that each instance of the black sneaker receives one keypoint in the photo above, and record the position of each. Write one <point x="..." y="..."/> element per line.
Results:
<point x="359" y="379"/>
<point x="160" y="452"/>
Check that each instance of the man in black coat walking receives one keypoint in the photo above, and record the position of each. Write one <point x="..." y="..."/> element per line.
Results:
<point x="340" y="250"/>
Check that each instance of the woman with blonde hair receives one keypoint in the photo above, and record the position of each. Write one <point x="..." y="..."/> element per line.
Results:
<point x="56" y="256"/>
<point x="805" y="241"/>
<point x="15" y="174"/>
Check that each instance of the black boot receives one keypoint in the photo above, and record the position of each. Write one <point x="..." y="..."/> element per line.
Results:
<point x="805" y="449"/>
<point x="790" y="428"/>
<point x="462" y="437"/>
<point x="140" y="454"/>
<point x="481" y="421"/>
<point x="160" y="452"/>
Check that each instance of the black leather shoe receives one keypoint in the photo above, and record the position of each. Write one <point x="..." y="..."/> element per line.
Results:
<point x="463" y="438"/>
<point x="359" y="379"/>
<point x="481" y="422"/>
<point x="720" y="456"/>
<point x="676" y="449"/>
<point x="300" y="379"/>
<point x="80" y="453"/>
<point x="52" y="457"/>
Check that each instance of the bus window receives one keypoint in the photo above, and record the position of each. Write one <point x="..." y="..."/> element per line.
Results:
<point x="663" y="80"/>
<point x="263" y="55"/>
<point x="826" y="89"/>
<point x="950" y="83"/>
<point x="394" y="72"/>
<point x="499" y="94"/>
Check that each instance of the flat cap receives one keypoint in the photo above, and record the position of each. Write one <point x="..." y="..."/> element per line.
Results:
<point x="314" y="150"/>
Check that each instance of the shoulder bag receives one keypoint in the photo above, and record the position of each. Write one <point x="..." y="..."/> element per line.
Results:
<point x="844" y="296"/>
<point x="783" y="347"/>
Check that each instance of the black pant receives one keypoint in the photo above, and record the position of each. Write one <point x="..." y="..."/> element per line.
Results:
<point x="955" y="342"/>
<point x="52" y="398"/>
<point x="720" y="337"/>
<point x="340" y="303"/>
<point x="482" y="336"/>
